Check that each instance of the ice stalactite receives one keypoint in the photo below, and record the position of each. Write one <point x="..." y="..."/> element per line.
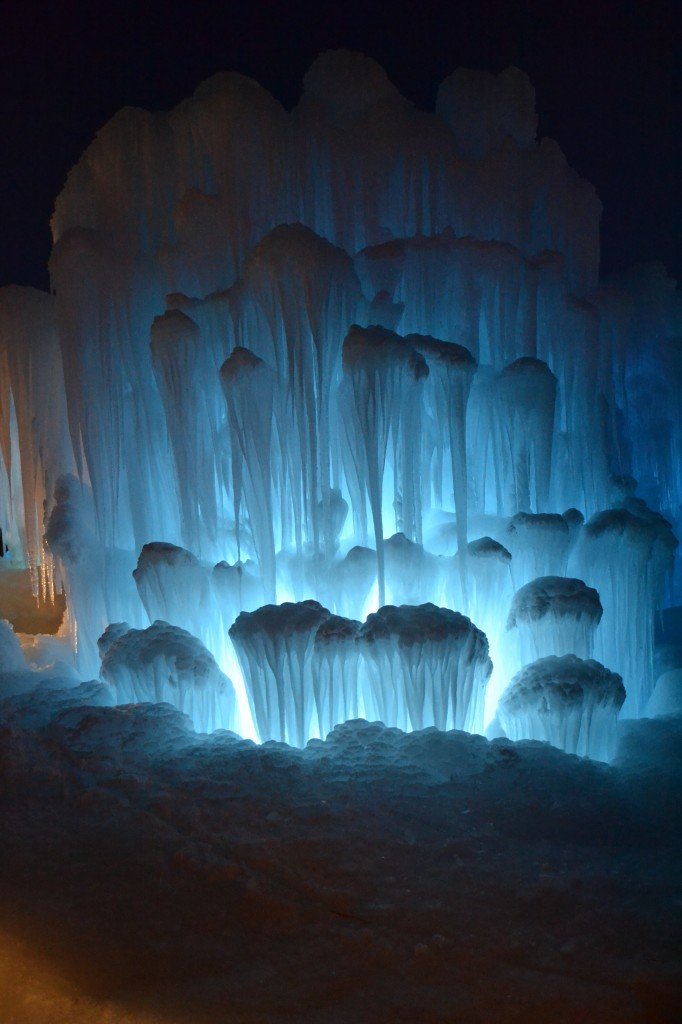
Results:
<point x="553" y="615"/>
<point x="249" y="389"/>
<point x="274" y="645"/>
<point x="33" y="401"/>
<point x="524" y="394"/>
<point x="568" y="702"/>
<point x="334" y="671"/>
<point x="166" y="664"/>
<point x="426" y="666"/>
<point x="380" y="368"/>
<point x="451" y="369"/>
<point x="182" y="367"/>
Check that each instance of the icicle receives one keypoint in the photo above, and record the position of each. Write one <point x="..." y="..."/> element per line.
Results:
<point x="553" y="615"/>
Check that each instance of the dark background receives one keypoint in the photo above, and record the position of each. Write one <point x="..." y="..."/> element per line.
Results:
<point x="607" y="76"/>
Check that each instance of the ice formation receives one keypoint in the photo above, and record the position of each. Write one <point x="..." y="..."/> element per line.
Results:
<point x="355" y="354"/>
<point x="567" y="701"/>
<point x="165" y="664"/>
<point x="426" y="666"/>
<point x="554" y="615"/>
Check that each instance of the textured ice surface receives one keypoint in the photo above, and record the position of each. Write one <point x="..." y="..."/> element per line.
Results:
<point x="569" y="702"/>
<point x="165" y="664"/>
<point x="553" y="615"/>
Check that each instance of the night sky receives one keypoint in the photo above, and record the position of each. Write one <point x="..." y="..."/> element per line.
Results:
<point x="607" y="76"/>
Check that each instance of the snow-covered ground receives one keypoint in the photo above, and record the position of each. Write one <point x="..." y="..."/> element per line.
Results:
<point x="150" y="874"/>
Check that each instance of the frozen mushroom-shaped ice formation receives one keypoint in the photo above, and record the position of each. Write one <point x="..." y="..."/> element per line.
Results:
<point x="426" y="666"/>
<point x="569" y="702"/>
<point x="274" y="646"/>
<point x="165" y="664"/>
<point x="554" y="615"/>
<point x="626" y="555"/>
<point x="335" y="672"/>
<point x="174" y="586"/>
<point x="539" y="544"/>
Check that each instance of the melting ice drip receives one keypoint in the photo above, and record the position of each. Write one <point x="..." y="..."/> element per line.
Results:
<point x="333" y="404"/>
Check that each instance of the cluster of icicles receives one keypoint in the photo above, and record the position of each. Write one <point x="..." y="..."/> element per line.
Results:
<point x="329" y="416"/>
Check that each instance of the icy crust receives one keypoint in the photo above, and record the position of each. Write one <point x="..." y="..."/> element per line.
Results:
<point x="165" y="664"/>
<point x="557" y="596"/>
<point x="567" y="701"/>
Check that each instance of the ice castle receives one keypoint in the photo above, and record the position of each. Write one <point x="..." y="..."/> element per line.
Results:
<point x="328" y="415"/>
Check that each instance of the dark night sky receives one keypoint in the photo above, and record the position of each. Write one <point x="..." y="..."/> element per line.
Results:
<point x="607" y="76"/>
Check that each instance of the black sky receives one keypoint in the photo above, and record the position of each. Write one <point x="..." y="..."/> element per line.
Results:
<point x="607" y="76"/>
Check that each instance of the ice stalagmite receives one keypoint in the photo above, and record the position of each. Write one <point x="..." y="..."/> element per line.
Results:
<point x="335" y="672"/>
<point x="274" y="645"/>
<point x="380" y="368"/>
<point x="426" y="666"/>
<point x="249" y="391"/>
<point x="553" y="615"/>
<point x="568" y="702"/>
<point x="165" y="664"/>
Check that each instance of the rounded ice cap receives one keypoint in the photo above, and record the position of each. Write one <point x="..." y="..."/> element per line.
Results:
<point x="279" y="620"/>
<point x="415" y="624"/>
<point x="159" y="552"/>
<point x="555" y="595"/>
<point x="552" y="685"/>
<point x="486" y="548"/>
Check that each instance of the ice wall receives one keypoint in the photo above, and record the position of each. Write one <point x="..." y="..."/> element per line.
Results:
<point x="355" y="354"/>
